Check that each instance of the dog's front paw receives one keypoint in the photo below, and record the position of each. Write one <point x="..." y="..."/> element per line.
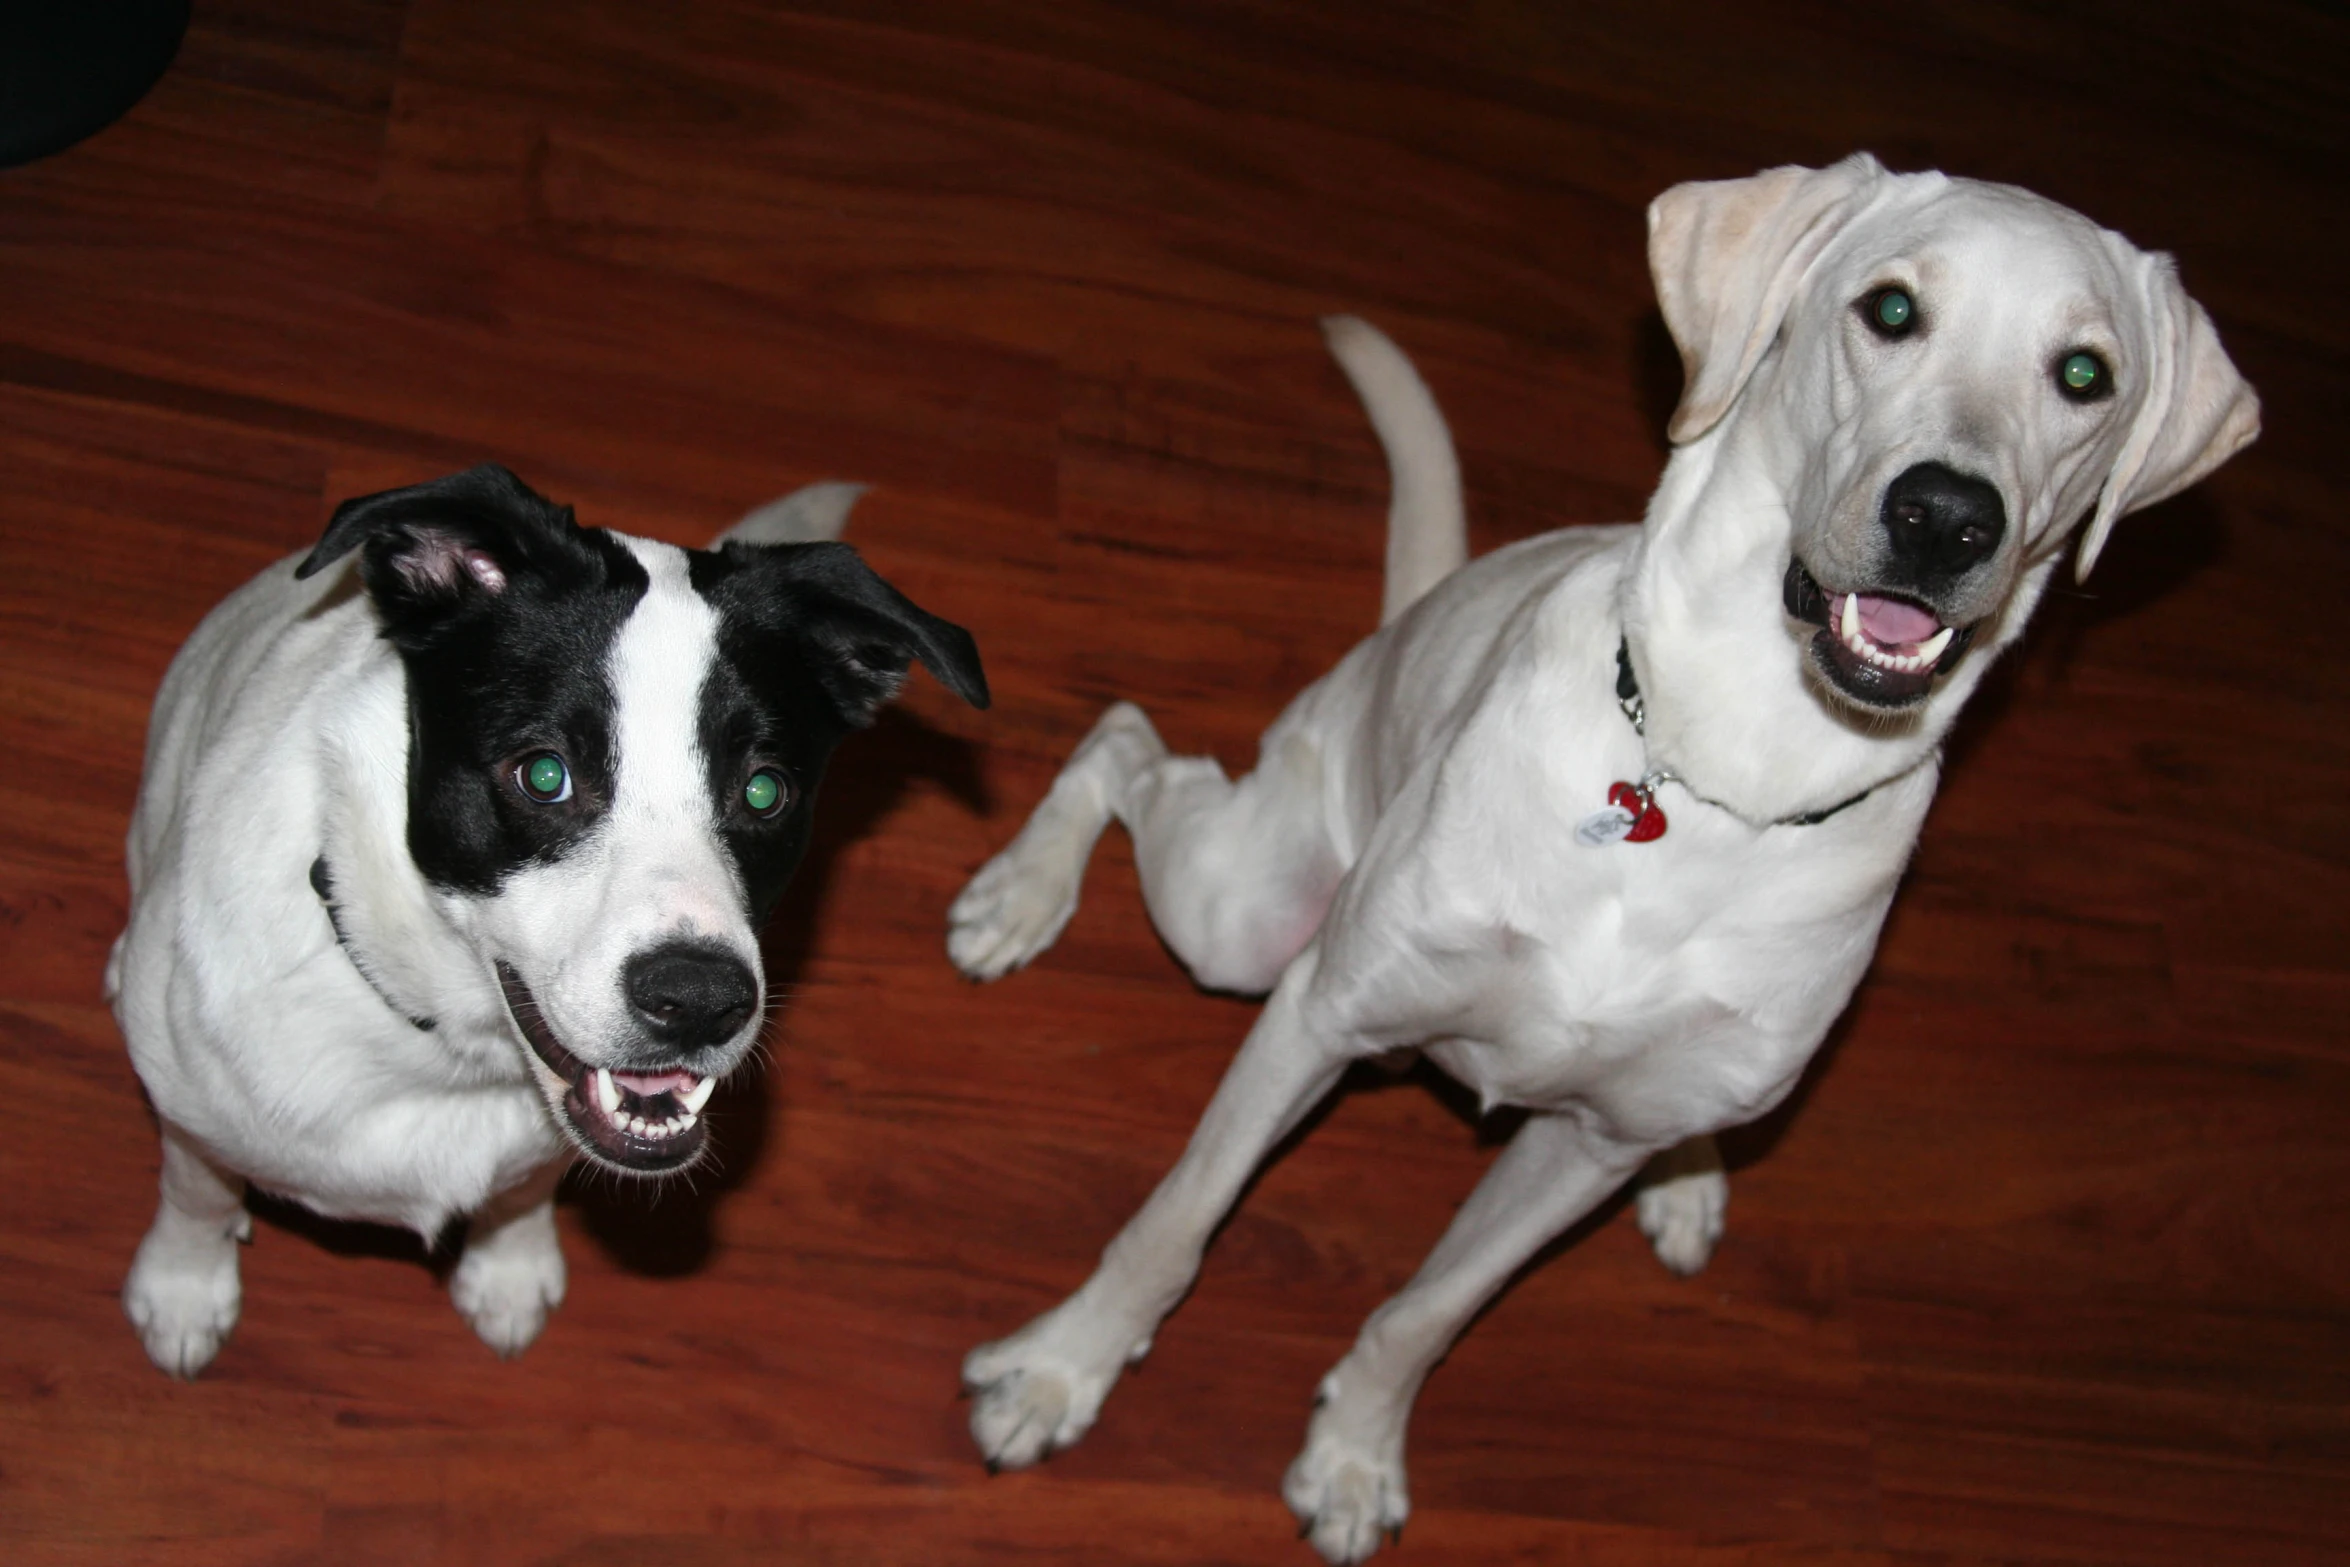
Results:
<point x="183" y="1295"/>
<point x="1683" y="1212"/>
<point x="507" y="1292"/>
<point x="1020" y="901"/>
<point x="1346" y="1494"/>
<point x="1038" y="1391"/>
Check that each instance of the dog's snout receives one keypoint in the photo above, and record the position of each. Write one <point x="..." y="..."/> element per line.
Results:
<point x="690" y="996"/>
<point x="1940" y="522"/>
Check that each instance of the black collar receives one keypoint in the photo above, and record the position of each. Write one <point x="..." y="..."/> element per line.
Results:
<point x="322" y="882"/>
<point x="1628" y="698"/>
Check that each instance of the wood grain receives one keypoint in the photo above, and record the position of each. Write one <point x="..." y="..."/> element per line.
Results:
<point x="2049" y="1262"/>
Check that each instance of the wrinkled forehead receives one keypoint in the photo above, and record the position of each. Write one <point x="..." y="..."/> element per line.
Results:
<point x="1990" y="254"/>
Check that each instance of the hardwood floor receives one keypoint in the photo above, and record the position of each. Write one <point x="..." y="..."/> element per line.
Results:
<point x="2048" y="1263"/>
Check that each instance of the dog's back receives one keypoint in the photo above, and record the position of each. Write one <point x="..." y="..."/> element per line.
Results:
<point x="211" y="672"/>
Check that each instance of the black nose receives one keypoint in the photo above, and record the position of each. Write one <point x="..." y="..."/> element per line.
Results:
<point x="1941" y="523"/>
<point x="688" y="996"/>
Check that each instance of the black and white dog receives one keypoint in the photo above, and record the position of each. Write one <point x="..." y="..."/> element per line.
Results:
<point x="452" y="864"/>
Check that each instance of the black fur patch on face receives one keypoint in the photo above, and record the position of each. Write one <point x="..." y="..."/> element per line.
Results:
<point x="504" y="611"/>
<point x="810" y="644"/>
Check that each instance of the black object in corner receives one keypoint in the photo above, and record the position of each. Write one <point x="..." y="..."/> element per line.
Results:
<point x="70" y="68"/>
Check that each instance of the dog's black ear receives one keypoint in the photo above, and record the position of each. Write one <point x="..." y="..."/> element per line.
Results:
<point x="858" y="632"/>
<point x="437" y="546"/>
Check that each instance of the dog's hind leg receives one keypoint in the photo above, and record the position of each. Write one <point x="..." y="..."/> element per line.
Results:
<point x="1021" y="900"/>
<point x="1347" y="1487"/>
<point x="1684" y="1195"/>
<point x="512" y="1274"/>
<point x="183" y="1293"/>
<point x="1236" y="875"/>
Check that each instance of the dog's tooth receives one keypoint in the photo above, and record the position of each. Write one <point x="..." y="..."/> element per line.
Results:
<point x="1934" y="646"/>
<point x="699" y="1096"/>
<point x="607" y="1091"/>
<point x="1850" y="629"/>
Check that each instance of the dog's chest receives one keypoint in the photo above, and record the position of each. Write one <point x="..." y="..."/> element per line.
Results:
<point x="405" y="1153"/>
<point x="1685" y="978"/>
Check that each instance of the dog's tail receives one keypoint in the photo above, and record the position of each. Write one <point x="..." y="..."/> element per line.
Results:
<point x="815" y="514"/>
<point x="1427" y="534"/>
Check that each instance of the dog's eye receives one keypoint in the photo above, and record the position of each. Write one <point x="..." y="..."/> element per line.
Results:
<point x="2083" y="377"/>
<point x="765" y="793"/>
<point x="1890" y="312"/>
<point x="544" y="778"/>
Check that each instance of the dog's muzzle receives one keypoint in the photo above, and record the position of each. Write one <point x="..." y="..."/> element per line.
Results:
<point x="1879" y="650"/>
<point x="643" y="1122"/>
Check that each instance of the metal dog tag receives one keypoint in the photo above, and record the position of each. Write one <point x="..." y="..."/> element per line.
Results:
<point x="1609" y="824"/>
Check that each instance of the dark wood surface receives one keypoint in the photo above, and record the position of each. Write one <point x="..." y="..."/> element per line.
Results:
<point x="2046" y="1265"/>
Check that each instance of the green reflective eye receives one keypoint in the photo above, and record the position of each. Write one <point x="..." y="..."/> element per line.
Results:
<point x="545" y="779"/>
<point x="763" y="793"/>
<point x="1893" y="309"/>
<point x="2081" y="373"/>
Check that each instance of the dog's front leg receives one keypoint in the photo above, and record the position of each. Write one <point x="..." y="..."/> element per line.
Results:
<point x="512" y="1274"/>
<point x="1039" y="1390"/>
<point x="1347" y="1487"/>
<point x="183" y="1293"/>
<point x="1684" y="1196"/>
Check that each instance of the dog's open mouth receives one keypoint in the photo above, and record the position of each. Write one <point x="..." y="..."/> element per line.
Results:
<point x="1879" y="650"/>
<point x="647" y="1123"/>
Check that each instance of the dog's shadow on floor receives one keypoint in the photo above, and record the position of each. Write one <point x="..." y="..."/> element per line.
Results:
<point x="2151" y="556"/>
<point x="664" y="1228"/>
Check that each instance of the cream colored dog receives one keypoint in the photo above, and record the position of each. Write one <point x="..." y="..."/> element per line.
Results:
<point x="1606" y="823"/>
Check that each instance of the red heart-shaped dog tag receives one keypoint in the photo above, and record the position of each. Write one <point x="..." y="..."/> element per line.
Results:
<point x="1648" y="822"/>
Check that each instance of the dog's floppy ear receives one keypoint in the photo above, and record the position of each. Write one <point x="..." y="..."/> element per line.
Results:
<point x="858" y="632"/>
<point x="2196" y="411"/>
<point x="1727" y="257"/>
<point x="434" y="547"/>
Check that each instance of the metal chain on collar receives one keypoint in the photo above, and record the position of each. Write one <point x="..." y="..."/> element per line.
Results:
<point x="1628" y="690"/>
<point x="1628" y="698"/>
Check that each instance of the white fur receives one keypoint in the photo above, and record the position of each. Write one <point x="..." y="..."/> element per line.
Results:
<point x="659" y="870"/>
<point x="1401" y="870"/>
<point x="281" y="733"/>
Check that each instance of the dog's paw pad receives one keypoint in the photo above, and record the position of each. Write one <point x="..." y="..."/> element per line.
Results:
<point x="1028" y="1400"/>
<point x="1684" y="1217"/>
<point x="184" y="1301"/>
<point x="1016" y="906"/>
<point x="1346" y="1500"/>
<point x="1022" y="1418"/>
<point x="507" y="1300"/>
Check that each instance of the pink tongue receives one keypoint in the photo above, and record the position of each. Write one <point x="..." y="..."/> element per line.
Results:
<point x="646" y="1084"/>
<point x="1891" y="623"/>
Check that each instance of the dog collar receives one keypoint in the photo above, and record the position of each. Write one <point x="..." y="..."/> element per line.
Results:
<point x="1632" y="814"/>
<point x="322" y="882"/>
